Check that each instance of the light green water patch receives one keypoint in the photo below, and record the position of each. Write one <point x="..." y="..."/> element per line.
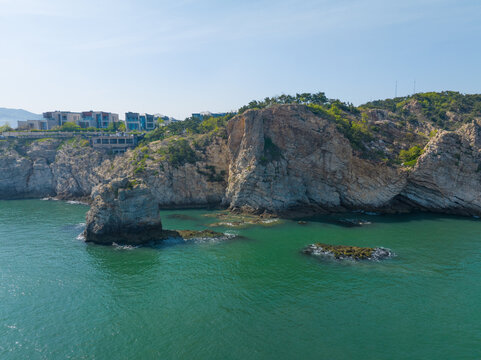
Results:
<point x="257" y="297"/>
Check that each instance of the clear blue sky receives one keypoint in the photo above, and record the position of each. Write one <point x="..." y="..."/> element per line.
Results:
<point x="183" y="56"/>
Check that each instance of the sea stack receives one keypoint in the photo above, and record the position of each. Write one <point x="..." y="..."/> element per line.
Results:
<point x="123" y="212"/>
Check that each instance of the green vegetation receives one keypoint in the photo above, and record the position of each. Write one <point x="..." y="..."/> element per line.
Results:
<point x="115" y="126"/>
<point x="211" y="174"/>
<point x="5" y="127"/>
<point x="69" y="126"/>
<point x="434" y="107"/>
<point x="271" y="152"/>
<point x="76" y="142"/>
<point x="140" y="158"/>
<point x="178" y="152"/>
<point x="305" y="98"/>
<point x="43" y="140"/>
<point x="190" y="126"/>
<point x="410" y="157"/>
<point x="357" y="131"/>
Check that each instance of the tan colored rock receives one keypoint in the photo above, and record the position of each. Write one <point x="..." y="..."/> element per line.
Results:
<point x="447" y="177"/>
<point x="286" y="157"/>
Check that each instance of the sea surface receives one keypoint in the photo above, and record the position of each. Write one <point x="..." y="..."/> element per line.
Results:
<point x="255" y="296"/>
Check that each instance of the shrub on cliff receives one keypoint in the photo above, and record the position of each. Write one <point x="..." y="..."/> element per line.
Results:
<point x="434" y="106"/>
<point x="410" y="157"/>
<point x="178" y="152"/>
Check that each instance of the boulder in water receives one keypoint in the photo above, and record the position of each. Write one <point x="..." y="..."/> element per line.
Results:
<point x="348" y="252"/>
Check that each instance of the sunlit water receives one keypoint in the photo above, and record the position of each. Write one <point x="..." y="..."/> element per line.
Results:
<point x="252" y="297"/>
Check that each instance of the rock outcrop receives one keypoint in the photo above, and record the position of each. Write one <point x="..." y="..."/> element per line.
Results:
<point x="287" y="157"/>
<point x="447" y="177"/>
<point x="342" y="252"/>
<point x="277" y="160"/>
<point x="123" y="212"/>
<point x="48" y="167"/>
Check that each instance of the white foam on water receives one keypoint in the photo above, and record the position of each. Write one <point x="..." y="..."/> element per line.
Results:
<point x="379" y="253"/>
<point x="74" y="202"/>
<point x="269" y="221"/>
<point x="124" y="247"/>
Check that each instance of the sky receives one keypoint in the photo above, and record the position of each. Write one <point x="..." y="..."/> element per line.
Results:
<point x="184" y="56"/>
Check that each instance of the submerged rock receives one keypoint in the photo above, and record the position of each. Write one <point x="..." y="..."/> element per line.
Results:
<point x="348" y="252"/>
<point x="236" y="220"/>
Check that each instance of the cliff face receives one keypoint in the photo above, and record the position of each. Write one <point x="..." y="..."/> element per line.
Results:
<point x="200" y="181"/>
<point x="278" y="159"/>
<point x="447" y="177"/>
<point x="47" y="168"/>
<point x="287" y="157"/>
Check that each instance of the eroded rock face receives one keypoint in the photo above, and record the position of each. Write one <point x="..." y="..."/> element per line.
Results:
<point x="275" y="160"/>
<point x="124" y="213"/>
<point x="286" y="157"/>
<point x="447" y="177"/>
<point x="48" y="168"/>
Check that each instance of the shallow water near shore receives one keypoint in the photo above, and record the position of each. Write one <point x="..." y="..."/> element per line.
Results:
<point x="251" y="297"/>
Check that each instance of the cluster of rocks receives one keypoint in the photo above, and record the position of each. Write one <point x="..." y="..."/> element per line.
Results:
<point x="342" y="252"/>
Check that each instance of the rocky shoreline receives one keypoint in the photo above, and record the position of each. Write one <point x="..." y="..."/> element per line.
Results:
<point x="284" y="160"/>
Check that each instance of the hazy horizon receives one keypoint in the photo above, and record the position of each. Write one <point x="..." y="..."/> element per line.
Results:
<point x="191" y="56"/>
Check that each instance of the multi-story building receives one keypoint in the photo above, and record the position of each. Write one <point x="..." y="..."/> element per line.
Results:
<point x="97" y="119"/>
<point x="34" y="125"/>
<point x="51" y="119"/>
<point x="61" y="117"/>
<point x="136" y="121"/>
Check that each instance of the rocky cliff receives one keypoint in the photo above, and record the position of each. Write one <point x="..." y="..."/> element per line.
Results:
<point x="48" y="167"/>
<point x="287" y="157"/>
<point x="279" y="159"/>
<point x="447" y="176"/>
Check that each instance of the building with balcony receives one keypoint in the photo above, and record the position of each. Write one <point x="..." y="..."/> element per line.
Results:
<point x="141" y="122"/>
<point x="115" y="143"/>
<point x="97" y="119"/>
<point x="51" y="119"/>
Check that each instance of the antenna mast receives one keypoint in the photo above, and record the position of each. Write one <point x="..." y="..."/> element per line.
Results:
<point x="395" y="90"/>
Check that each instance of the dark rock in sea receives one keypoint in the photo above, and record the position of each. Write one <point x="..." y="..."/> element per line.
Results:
<point x="125" y="213"/>
<point x="351" y="222"/>
<point x="342" y="252"/>
<point x="301" y="222"/>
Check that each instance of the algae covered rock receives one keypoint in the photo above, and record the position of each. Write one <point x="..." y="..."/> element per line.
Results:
<point x="342" y="252"/>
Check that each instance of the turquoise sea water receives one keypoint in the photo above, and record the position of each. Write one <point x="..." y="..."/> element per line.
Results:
<point x="252" y="297"/>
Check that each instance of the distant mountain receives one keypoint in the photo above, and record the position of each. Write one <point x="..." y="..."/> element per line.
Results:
<point x="11" y="116"/>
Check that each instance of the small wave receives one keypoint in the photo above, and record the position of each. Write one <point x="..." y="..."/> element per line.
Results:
<point x="270" y="221"/>
<point x="74" y="202"/>
<point x="48" y="198"/>
<point x="381" y="253"/>
<point x="81" y="237"/>
<point x="124" y="247"/>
